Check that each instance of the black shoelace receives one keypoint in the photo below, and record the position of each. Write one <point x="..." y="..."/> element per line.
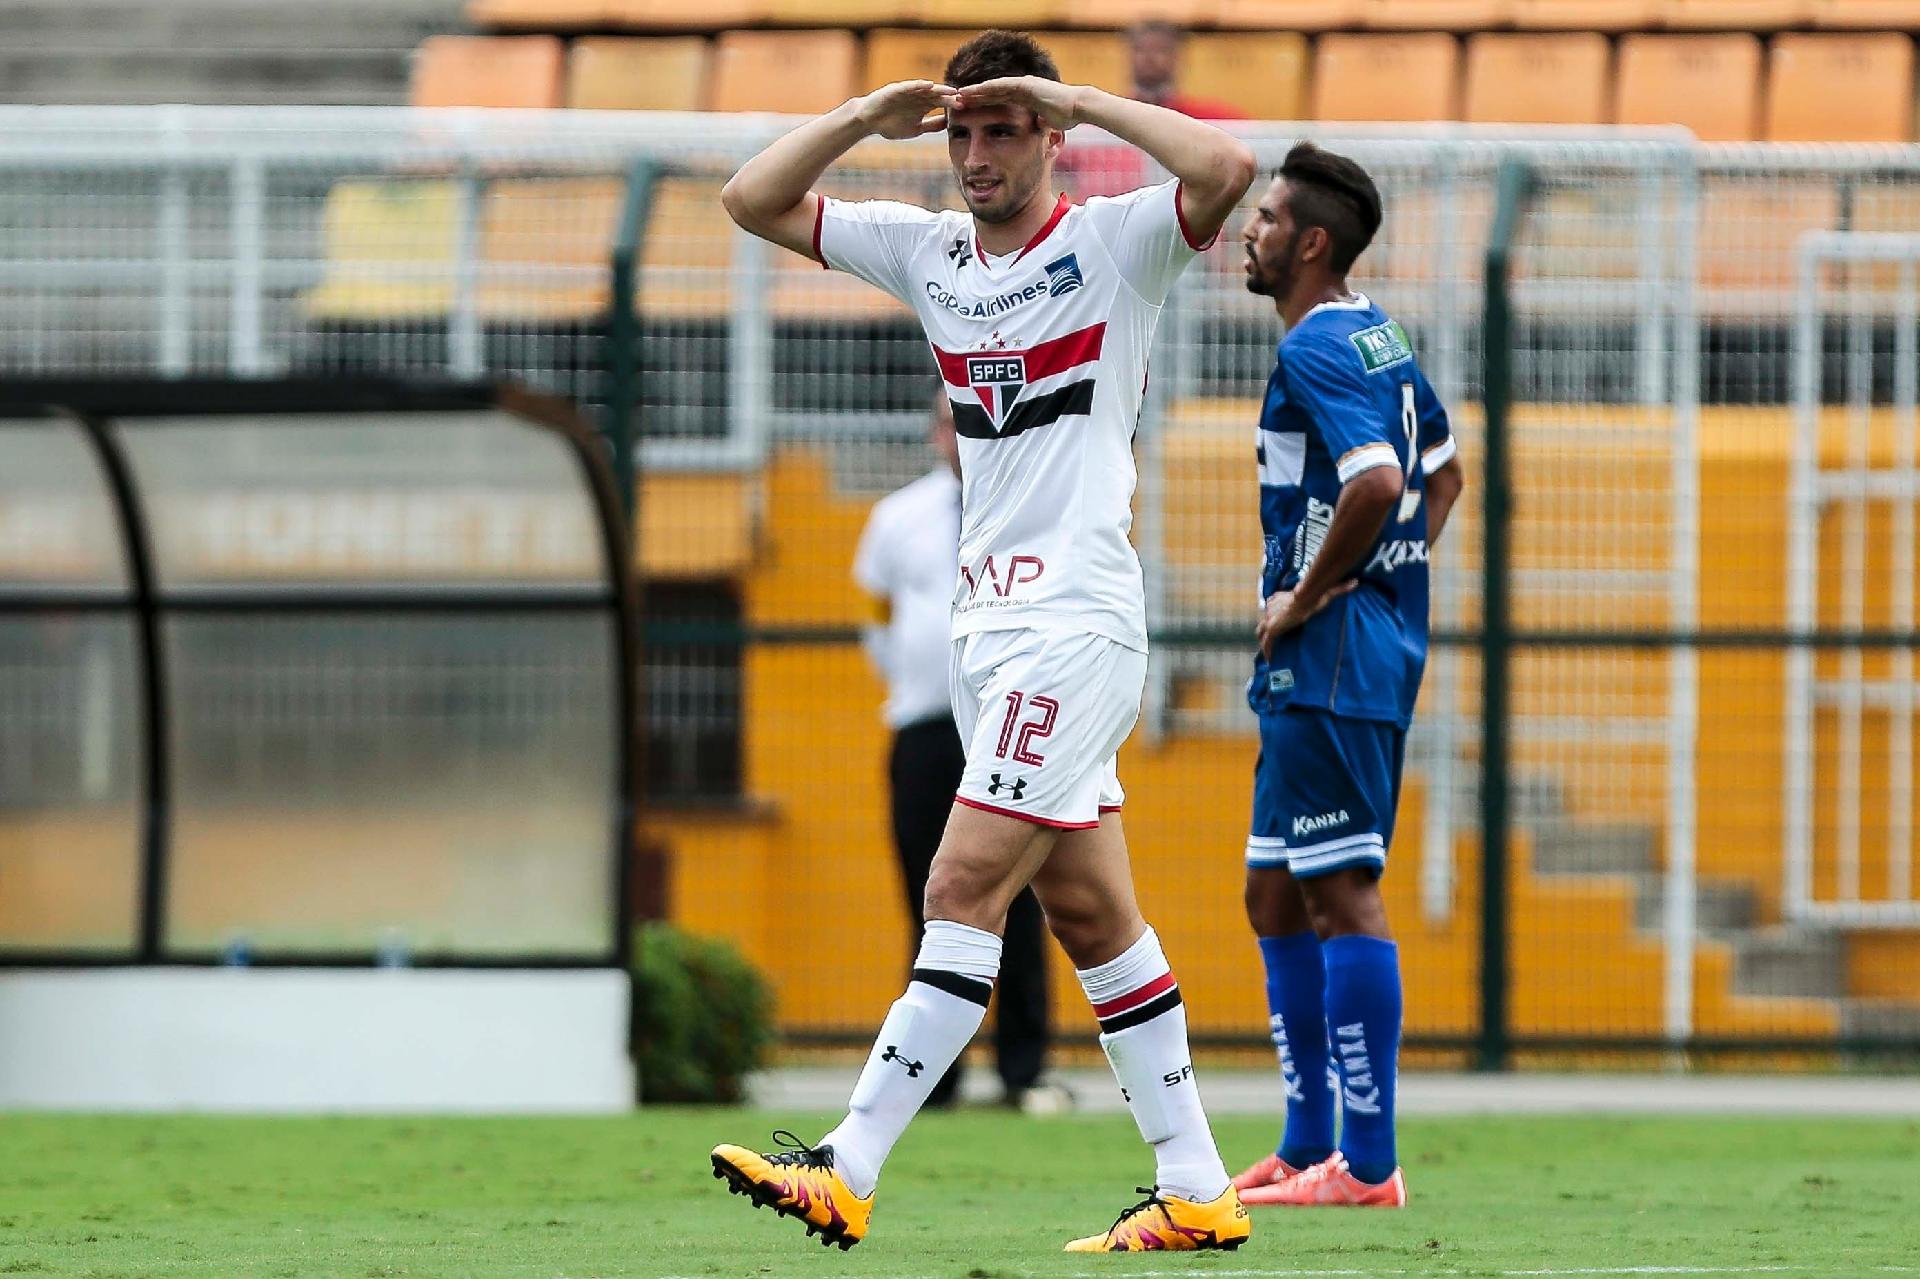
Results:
<point x="1152" y="1199"/>
<point x="799" y="1152"/>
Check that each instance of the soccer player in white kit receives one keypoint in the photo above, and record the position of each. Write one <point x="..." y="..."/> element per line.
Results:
<point x="1040" y="314"/>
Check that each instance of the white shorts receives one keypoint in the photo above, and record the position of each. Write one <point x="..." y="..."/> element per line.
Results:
<point x="1043" y="714"/>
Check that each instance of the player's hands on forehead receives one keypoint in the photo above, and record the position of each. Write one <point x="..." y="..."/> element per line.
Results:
<point x="907" y="109"/>
<point x="1056" y="104"/>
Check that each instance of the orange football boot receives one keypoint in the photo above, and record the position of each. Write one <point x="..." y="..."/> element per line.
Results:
<point x="1328" y="1184"/>
<point x="798" y="1182"/>
<point x="1267" y="1172"/>
<point x="1166" y="1223"/>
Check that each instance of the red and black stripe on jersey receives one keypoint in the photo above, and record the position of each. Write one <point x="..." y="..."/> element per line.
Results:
<point x="975" y="403"/>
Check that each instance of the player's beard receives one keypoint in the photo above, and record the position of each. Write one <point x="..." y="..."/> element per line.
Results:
<point x="1275" y="281"/>
<point x="1006" y="206"/>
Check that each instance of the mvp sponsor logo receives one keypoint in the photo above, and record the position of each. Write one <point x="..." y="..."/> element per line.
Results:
<point x="1019" y="570"/>
<point x="1382" y="346"/>
<point x="1324" y="821"/>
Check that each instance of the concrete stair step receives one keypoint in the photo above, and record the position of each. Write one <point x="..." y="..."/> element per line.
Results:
<point x="1895" y="1019"/>
<point x="1790" y="962"/>
<point x="1531" y="797"/>
<point x="1593" y="848"/>
<point x="1720" y="906"/>
<point x="54" y="26"/>
<point x="369" y="78"/>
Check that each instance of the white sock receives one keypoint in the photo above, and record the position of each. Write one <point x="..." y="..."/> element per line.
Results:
<point x="1143" y="1028"/>
<point x="924" y="1033"/>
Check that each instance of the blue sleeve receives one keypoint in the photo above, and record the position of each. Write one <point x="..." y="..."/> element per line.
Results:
<point x="1436" y="433"/>
<point x="1328" y="382"/>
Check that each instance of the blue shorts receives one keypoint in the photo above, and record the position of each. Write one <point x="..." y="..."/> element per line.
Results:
<point x="1325" y="790"/>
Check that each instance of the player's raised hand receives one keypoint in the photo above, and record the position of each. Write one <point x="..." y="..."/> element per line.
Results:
<point x="1057" y="105"/>
<point x="1286" y="611"/>
<point x="906" y="109"/>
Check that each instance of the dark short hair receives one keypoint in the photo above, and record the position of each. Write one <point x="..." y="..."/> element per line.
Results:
<point x="994" y="54"/>
<point x="1156" y="27"/>
<point x="1335" y="194"/>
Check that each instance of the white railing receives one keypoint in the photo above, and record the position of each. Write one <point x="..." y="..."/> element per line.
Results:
<point x="1855" y="266"/>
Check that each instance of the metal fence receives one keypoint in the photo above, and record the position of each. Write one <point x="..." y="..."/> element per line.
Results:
<point x="1710" y="772"/>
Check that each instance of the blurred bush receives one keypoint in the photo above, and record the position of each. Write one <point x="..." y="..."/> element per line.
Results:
<point x="702" y="1017"/>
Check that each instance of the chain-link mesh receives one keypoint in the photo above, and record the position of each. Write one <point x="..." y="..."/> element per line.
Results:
<point x="1658" y="291"/>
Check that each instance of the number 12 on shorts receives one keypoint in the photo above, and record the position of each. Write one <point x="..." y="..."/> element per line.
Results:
<point x="1039" y="725"/>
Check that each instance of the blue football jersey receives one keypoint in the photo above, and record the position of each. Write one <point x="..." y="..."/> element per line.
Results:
<point x="1346" y="395"/>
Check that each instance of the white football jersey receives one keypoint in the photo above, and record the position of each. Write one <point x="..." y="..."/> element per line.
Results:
<point x="1044" y="355"/>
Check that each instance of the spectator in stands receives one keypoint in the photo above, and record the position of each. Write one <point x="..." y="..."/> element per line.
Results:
<point x="1154" y="47"/>
<point x="908" y="561"/>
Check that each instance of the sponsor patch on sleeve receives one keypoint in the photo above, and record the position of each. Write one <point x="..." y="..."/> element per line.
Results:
<point x="1382" y="346"/>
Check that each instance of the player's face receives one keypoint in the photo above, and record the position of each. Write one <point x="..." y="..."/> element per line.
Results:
<point x="1001" y="156"/>
<point x="1272" y="243"/>
<point x="1155" y="55"/>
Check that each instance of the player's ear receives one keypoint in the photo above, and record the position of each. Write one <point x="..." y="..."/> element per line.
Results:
<point x="1315" y="244"/>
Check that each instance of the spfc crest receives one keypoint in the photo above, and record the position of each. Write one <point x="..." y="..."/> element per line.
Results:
<point x="997" y="380"/>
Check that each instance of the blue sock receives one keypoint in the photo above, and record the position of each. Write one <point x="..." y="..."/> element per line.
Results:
<point x="1363" y="1011"/>
<point x="1297" y="1001"/>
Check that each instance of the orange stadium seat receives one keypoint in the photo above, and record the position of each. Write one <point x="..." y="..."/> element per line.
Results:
<point x="1537" y="79"/>
<point x="540" y="15"/>
<point x="908" y="55"/>
<point x="1412" y="77"/>
<point x="669" y="15"/>
<point x="1113" y="14"/>
<point x="1707" y="83"/>
<point x="488" y="71"/>
<point x="978" y="14"/>
<point x="1868" y="15"/>
<point x="798" y="72"/>
<point x="1289" y="15"/>
<point x="544" y="244"/>
<point x="1585" y="15"/>
<point x="389" y="247"/>
<point x="1436" y="15"/>
<point x="1734" y="15"/>
<point x="660" y="73"/>
<point x="1098" y="58"/>
<point x="833" y="13"/>
<point x="1263" y="74"/>
<point x="1805" y="101"/>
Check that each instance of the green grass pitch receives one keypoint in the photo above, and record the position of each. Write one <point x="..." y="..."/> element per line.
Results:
<point x="969" y="1195"/>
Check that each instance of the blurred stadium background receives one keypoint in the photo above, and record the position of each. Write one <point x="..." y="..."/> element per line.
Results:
<point x="349" y="690"/>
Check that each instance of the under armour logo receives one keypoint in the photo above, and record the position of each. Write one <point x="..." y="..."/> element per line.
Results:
<point x="1018" y="786"/>
<point x="961" y="253"/>
<point x="913" y="1067"/>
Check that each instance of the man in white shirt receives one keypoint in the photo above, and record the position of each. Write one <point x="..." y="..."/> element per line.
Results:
<point x="907" y="562"/>
<point x="1040" y="314"/>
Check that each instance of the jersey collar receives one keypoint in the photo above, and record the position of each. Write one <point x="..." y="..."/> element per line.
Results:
<point x="1360" y="302"/>
<point x="1059" y="211"/>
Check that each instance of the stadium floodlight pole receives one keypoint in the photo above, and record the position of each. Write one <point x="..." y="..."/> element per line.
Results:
<point x="1514" y="185"/>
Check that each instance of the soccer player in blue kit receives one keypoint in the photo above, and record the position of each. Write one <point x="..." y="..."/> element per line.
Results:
<point x="1357" y="476"/>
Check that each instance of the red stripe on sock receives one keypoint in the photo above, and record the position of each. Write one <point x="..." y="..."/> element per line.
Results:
<point x="1134" y="998"/>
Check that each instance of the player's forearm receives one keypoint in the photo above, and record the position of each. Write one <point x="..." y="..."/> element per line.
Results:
<point x="1366" y="503"/>
<point x="779" y="178"/>
<point x="1443" y="489"/>
<point x="1214" y="166"/>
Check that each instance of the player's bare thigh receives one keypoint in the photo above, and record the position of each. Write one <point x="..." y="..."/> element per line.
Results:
<point x="1086" y="888"/>
<point x="983" y="862"/>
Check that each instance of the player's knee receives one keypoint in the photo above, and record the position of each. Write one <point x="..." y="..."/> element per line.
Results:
<point x="1273" y="903"/>
<point x="1346" y="903"/>
<point x="1090" y="930"/>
